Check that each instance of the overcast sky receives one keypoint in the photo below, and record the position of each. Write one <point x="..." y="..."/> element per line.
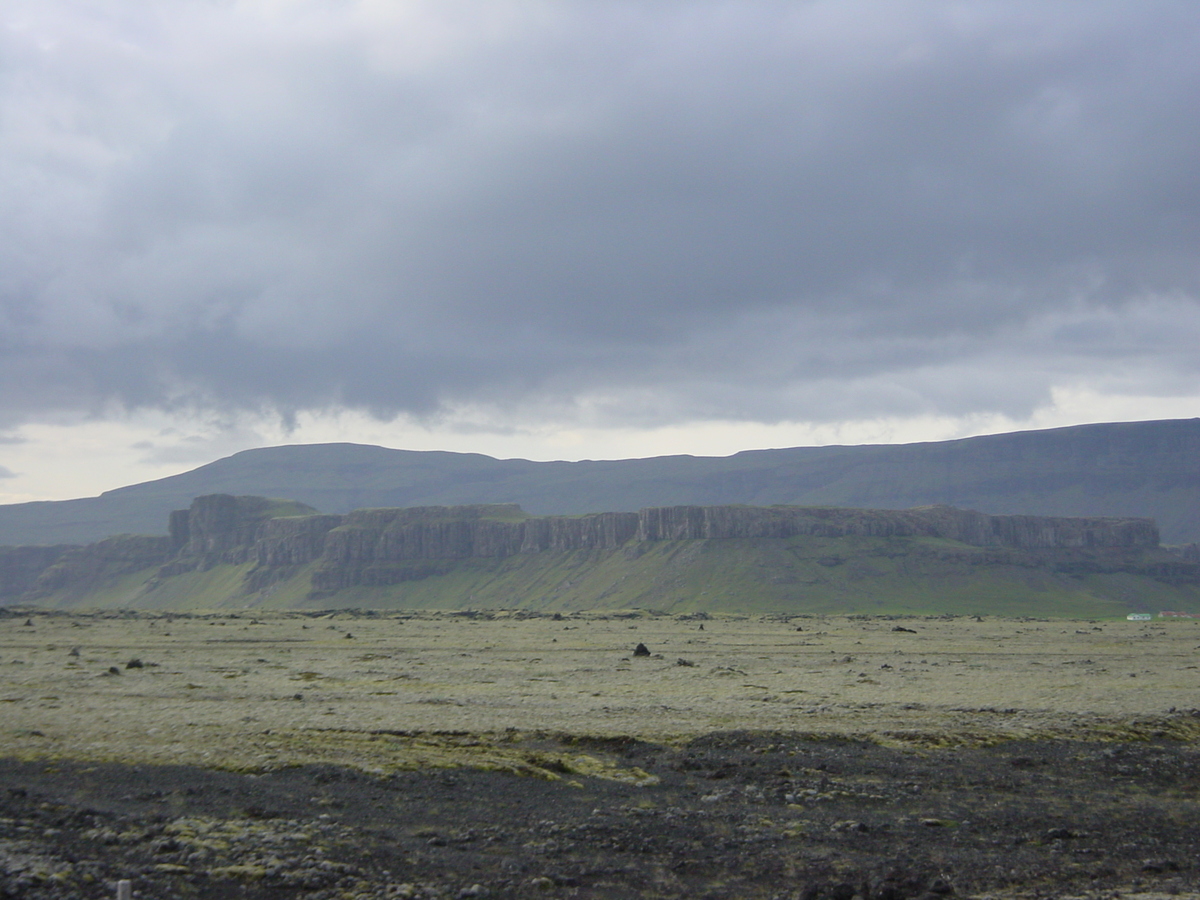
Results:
<point x="586" y="229"/>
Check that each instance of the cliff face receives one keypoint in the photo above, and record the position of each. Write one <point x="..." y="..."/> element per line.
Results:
<point x="358" y="549"/>
<point x="390" y="546"/>
<point x="293" y="540"/>
<point x="220" y="528"/>
<point x="423" y="533"/>
<point x="380" y="546"/>
<point x="80" y="569"/>
<point x="434" y="533"/>
<point x="445" y="533"/>
<point x="1019" y="532"/>
<point x="20" y="567"/>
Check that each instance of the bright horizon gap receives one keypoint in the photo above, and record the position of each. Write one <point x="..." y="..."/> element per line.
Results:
<point x="65" y="461"/>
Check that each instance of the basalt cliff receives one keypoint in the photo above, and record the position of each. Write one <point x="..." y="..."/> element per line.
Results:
<point x="1114" y="469"/>
<point x="249" y="551"/>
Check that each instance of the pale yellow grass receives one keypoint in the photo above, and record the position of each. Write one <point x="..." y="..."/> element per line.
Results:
<point x="222" y="690"/>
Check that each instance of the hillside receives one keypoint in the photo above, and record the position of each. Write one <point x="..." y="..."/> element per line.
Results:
<point x="247" y="552"/>
<point x="1149" y="469"/>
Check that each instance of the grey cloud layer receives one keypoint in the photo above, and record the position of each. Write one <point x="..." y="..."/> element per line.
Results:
<point x="667" y="210"/>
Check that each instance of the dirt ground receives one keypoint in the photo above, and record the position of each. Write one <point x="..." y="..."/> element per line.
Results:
<point x="455" y="756"/>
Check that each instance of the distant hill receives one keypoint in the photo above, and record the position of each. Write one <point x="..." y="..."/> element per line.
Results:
<point x="250" y="553"/>
<point x="1147" y="469"/>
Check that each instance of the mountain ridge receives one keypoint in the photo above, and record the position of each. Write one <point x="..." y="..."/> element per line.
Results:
<point x="1142" y="469"/>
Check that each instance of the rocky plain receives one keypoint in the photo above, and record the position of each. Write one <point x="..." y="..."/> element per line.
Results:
<point x="513" y="754"/>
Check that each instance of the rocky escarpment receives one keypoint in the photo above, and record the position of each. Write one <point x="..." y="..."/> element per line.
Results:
<point x="366" y="545"/>
<point x="293" y="540"/>
<point x="380" y="546"/>
<point x="220" y="528"/>
<point x="389" y="546"/>
<point x="445" y="533"/>
<point x="1190" y="552"/>
<point x="1019" y="532"/>
<point x="82" y="569"/>
<point x="20" y="567"/>
<point x="498" y="531"/>
<point x="216" y="529"/>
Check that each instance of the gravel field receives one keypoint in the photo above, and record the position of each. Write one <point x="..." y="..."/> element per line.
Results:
<point x="492" y="754"/>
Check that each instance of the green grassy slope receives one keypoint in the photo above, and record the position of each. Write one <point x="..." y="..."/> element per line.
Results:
<point x="796" y="576"/>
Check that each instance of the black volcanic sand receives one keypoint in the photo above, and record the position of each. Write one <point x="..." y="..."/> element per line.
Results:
<point x="733" y="815"/>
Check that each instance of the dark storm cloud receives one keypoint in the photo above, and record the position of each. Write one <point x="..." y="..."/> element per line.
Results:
<point x="755" y="210"/>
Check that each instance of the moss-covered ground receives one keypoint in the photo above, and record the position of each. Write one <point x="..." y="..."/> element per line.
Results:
<point x="254" y="689"/>
<point x="509" y="754"/>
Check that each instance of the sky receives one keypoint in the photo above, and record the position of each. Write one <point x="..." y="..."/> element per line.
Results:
<point x="568" y="230"/>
